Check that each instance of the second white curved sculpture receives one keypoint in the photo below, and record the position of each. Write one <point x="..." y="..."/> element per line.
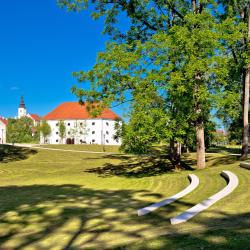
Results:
<point x="194" y="183"/>
<point x="188" y="214"/>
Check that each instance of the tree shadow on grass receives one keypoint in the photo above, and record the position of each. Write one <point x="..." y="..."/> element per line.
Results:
<point x="223" y="235"/>
<point x="80" y="216"/>
<point x="222" y="160"/>
<point x="74" y="217"/>
<point x="137" y="166"/>
<point x="134" y="167"/>
<point x="221" y="149"/>
<point x="11" y="153"/>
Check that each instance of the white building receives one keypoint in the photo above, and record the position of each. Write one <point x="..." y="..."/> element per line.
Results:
<point x="3" y="127"/>
<point x="81" y="128"/>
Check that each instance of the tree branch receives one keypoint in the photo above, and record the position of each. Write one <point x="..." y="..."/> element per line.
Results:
<point x="116" y="105"/>
<point x="174" y="10"/>
<point x="234" y="55"/>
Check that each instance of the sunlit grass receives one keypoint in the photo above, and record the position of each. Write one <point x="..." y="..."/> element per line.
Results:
<point x="84" y="147"/>
<point x="70" y="200"/>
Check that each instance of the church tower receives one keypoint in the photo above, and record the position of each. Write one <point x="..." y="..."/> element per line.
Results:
<point x="22" y="109"/>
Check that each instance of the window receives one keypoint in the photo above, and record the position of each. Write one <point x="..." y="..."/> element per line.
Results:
<point x="107" y="141"/>
<point x="68" y="133"/>
<point x="107" y="123"/>
<point x="56" y="140"/>
<point x="57" y="124"/>
<point x="93" y="140"/>
<point x="93" y="123"/>
<point x="93" y="132"/>
<point x="81" y="133"/>
<point x="107" y="132"/>
<point x="68" y="124"/>
<point x="57" y="133"/>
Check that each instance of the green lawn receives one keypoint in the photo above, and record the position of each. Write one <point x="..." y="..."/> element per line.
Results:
<point x="66" y="200"/>
<point x="85" y="147"/>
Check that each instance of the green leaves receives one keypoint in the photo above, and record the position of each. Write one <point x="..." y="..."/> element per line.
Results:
<point x="20" y="130"/>
<point x="45" y="129"/>
<point x="174" y="65"/>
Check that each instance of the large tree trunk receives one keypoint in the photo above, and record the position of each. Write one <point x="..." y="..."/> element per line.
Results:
<point x="194" y="5"/>
<point x="200" y="143"/>
<point x="246" y="83"/>
<point x="178" y="149"/>
<point x="171" y="148"/>
<point x="174" y="154"/>
<point x="245" y="113"/>
<point x="199" y="127"/>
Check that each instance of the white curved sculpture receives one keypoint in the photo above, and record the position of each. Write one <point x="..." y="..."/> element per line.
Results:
<point x="194" y="183"/>
<point x="188" y="214"/>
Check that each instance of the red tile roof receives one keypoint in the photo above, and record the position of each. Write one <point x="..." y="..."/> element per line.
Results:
<point x="35" y="117"/>
<point x="3" y="120"/>
<point x="73" y="110"/>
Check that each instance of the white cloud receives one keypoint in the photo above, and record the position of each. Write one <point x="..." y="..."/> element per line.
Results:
<point x="14" y="88"/>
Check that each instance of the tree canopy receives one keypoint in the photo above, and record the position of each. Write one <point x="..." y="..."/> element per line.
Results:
<point x="173" y="63"/>
<point x="20" y="130"/>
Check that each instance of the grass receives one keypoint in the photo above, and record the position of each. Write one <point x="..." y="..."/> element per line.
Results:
<point x="83" y="147"/>
<point x="69" y="200"/>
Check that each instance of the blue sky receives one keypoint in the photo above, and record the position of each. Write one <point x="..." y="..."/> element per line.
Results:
<point x="40" y="46"/>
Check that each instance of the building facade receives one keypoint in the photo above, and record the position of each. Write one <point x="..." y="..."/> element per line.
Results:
<point x="80" y="127"/>
<point x="3" y="128"/>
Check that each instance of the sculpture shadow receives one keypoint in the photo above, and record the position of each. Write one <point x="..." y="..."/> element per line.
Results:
<point x="11" y="153"/>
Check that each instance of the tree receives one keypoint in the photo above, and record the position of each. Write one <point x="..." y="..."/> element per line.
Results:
<point x="79" y="131"/>
<point x="168" y="65"/>
<point x="62" y="130"/>
<point x="219" y="138"/>
<point x="45" y="130"/>
<point x="148" y="119"/>
<point x="20" y="130"/>
<point x="241" y="54"/>
<point x="12" y="131"/>
<point x="176" y="45"/>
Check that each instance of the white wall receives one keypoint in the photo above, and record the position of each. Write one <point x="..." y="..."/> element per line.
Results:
<point x="21" y="112"/>
<point x="2" y="133"/>
<point x="97" y="131"/>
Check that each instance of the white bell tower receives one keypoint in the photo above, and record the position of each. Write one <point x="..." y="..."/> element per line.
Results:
<point x="22" y="109"/>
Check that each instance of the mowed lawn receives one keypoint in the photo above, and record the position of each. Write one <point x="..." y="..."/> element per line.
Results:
<point x="71" y="200"/>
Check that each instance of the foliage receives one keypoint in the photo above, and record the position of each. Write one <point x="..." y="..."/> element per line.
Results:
<point x="179" y="50"/>
<point x="79" y="131"/>
<point x="239" y="69"/>
<point x="45" y="129"/>
<point x="62" y="129"/>
<point x="219" y="139"/>
<point x="164" y="67"/>
<point x="147" y="124"/>
<point x="20" y="130"/>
